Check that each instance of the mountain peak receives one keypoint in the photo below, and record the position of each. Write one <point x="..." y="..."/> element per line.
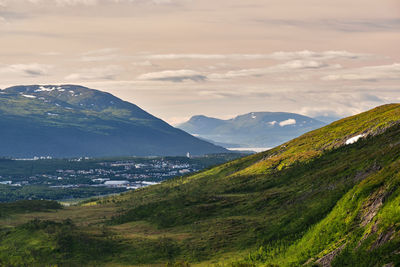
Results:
<point x="72" y="120"/>
<point x="254" y="129"/>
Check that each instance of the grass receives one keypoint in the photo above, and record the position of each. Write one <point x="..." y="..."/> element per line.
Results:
<point x="289" y="206"/>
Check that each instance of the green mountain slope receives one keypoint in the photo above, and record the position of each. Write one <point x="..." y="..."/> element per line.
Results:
<point x="320" y="199"/>
<point x="71" y="121"/>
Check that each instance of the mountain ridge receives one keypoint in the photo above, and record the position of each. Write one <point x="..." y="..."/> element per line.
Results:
<point x="254" y="129"/>
<point x="70" y="120"/>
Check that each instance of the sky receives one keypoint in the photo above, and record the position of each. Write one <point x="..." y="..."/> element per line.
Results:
<point x="220" y="58"/>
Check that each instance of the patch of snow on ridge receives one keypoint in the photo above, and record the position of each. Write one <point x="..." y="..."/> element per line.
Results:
<point x="354" y="139"/>
<point x="44" y="89"/>
<point x="29" y="96"/>
<point x="272" y="123"/>
<point x="253" y="116"/>
<point x="49" y="89"/>
<point x="287" y="122"/>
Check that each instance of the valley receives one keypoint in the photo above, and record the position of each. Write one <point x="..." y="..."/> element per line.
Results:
<point x="296" y="204"/>
<point x="61" y="179"/>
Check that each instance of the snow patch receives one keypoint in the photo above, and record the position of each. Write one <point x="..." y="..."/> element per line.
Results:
<point x="51" y="114"/>
<point x="287" y="122"/>
<point x="354" y="139"/>
<point x="253" y="116"/>
<point x="29" y="96"/>
<point x="149" y="183"/>
<point x="272" y="123"/>
<point x="49" y="89"/>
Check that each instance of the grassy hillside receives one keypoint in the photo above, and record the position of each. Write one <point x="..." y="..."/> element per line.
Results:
<point x="313" y="201"/>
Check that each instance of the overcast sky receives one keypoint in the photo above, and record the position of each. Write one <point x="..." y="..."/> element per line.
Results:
<point x="221" y="58"/>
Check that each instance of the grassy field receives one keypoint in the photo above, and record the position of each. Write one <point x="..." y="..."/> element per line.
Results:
<point x="312" y="201"/>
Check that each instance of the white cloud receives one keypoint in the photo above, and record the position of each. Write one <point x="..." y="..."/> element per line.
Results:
<point x="371" y="73"/>
<point x="288" y="66"/>
<point x="287" y="122"/>
<point x="306" y="64"/>
<point x="51" y="54"/>
<point x="100" y="73"/>
<point x="3" y="19"/>
<point x="146" y="63"/>
<point x="281" y="56"/>
<point x="100" y="51"/>
<point x="105" y="54"/>
<point x="76" y="2"/>
<point x="98" y="58"/>
<point x="173" y="76"/>
<point x="33" y="69"/>
<point x="325" y="55"/>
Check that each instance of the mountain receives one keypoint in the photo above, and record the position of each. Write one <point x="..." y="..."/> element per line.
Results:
<point x="255" y="129"/>
<point x="327" y="198"/>
<point x="71" y="121"/>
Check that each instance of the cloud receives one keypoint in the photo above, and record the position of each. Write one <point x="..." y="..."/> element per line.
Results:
<point x="105" y="54"/>
<point x="51" y="54"/>
<point x="325" y="55"/>
<point x="100" y="51"/>
<point x="240" y="93"/>
<point x="285" y="67"/>
<point x="185" y="75"/>
<point x="306" y="64"/>
<point x="287" y="122"/>
<point x="98" y="58"/>
<point x="100" y="73"/>
<point x="145" y="63"/>
<point x="341" y="25"/>
<point x="370" y="73"/>
<point x="282" y="56"/>
<point x="33" y="69"/>
<point x="173" y="76"/>
<point x="64" y="3"/>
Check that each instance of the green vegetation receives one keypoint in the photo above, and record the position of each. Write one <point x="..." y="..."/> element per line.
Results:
<point x="23" y="206"/>
<point x="312" y="201"/>
<point x="13" y="193"/>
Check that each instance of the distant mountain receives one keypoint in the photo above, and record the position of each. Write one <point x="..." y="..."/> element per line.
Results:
<point x="70" y="120"/>
<point x="255" y="129"/>
<point x="328" y="118"/>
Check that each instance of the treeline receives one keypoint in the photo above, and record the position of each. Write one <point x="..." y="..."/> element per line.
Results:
<point x="12" y="193"/>
<point x="24" y="206"/>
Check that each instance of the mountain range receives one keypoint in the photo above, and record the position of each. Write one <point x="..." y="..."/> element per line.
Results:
<point x="255" y="129"/>
<point x="74" y="121"/>
<point x="327" y="198"/>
